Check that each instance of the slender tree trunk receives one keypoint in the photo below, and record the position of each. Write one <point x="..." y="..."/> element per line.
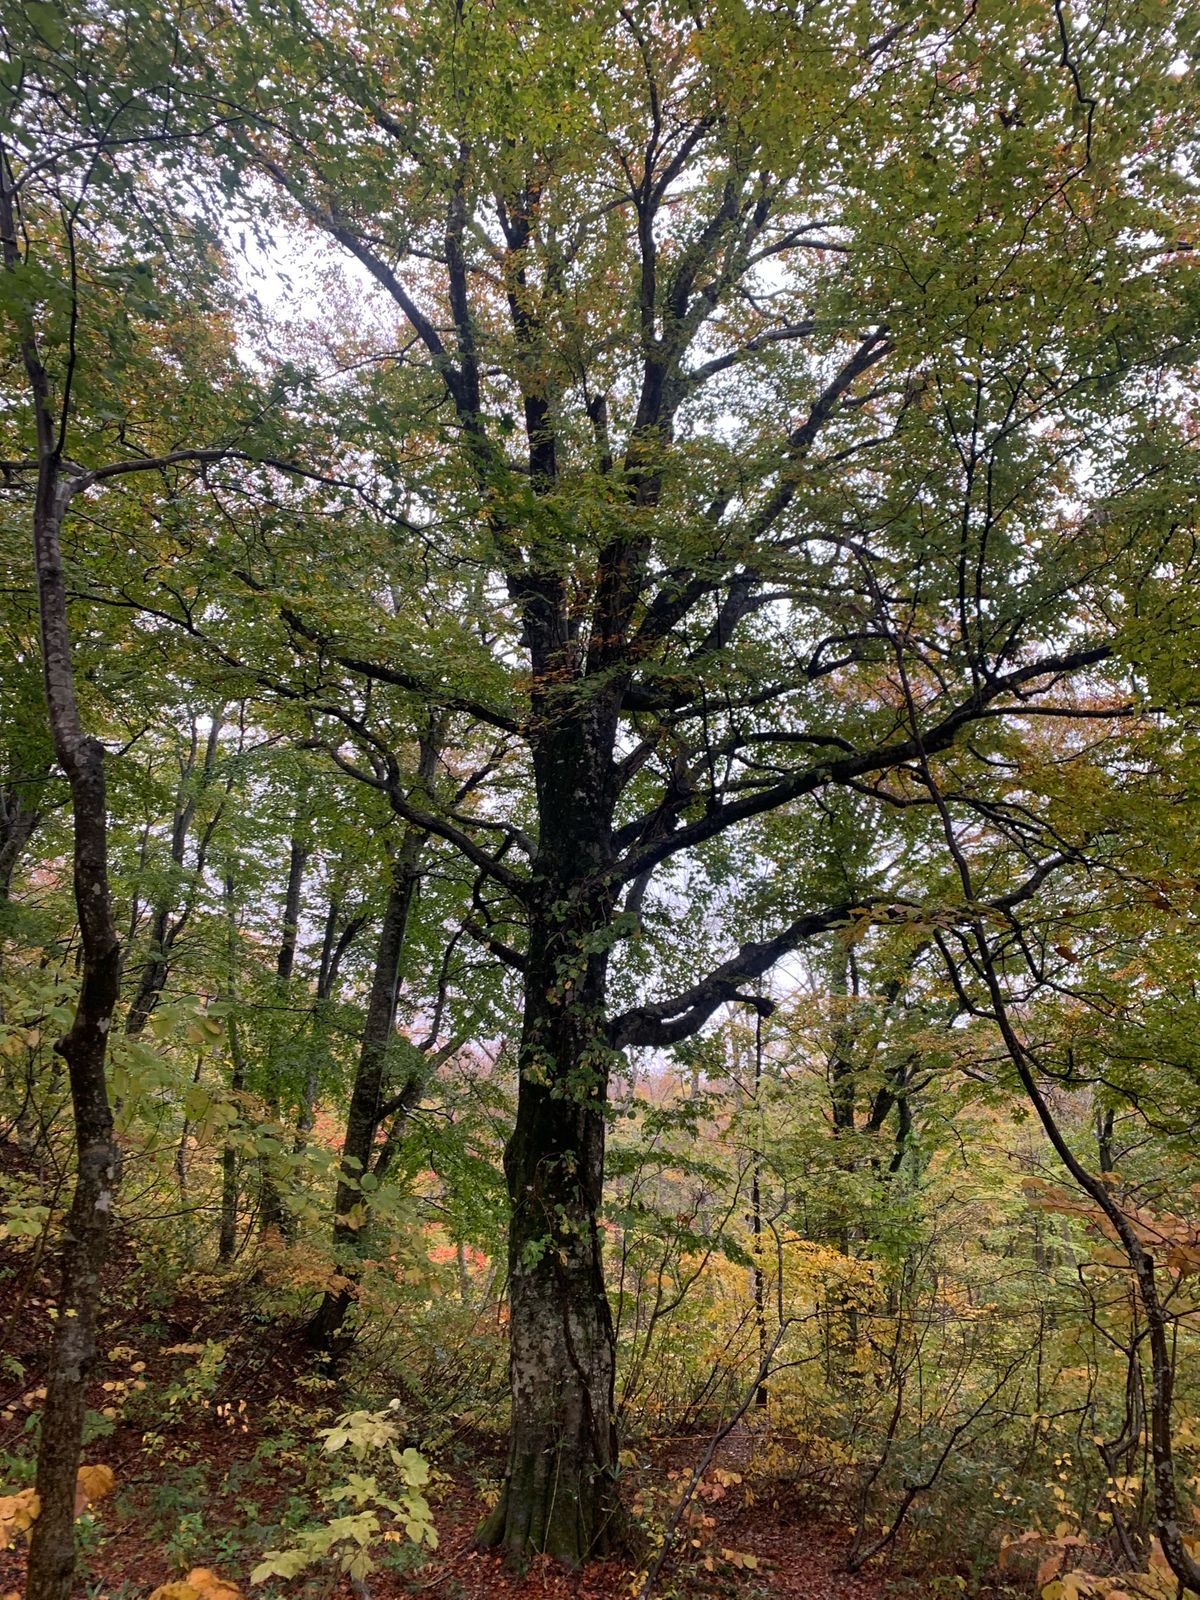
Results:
<point x="843" y="1083"/>
<point x="166" y="927"/>
<point x="904" y="1121"/>
<point x="337" y="938"/>
<point x="298" y="853"/>
<point x="181" y="1162"/>
<point x="153" y="977"/>
<point x="367" y="1096"/>
<point x="19" y="818"/>
<point x="271" y="1211"/>
<point x="1104" y="1139"/>
<point x="227" y="1241"/>
<point x="317" y="1048"/>
<point x="52" y="1551"/>
<point x="464" y="1277"/>
<point x="368" y="1108"/>
<point x="83" y="1046"/>
<point x="756" y="1219"/>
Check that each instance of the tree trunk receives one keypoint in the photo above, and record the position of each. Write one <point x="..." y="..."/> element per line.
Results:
<point x="271" y="1211"/>
<point x="756" y="1217"/>
<point x="367" y="1096"/>
<point x="165" y="928"/>
<point x="227" y="1238"/>
<point x="83" y="1047"/>
<point x="559" y="1494"/>
<point x="153" y="977"/>
<point x="19" y="817"/>
<point x="52" y="1551"/>
<point x="336" y="940"/>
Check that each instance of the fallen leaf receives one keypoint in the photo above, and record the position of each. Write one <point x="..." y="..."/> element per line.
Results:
<point x="18" y="1513"/>
<point x="93" y="1483"/>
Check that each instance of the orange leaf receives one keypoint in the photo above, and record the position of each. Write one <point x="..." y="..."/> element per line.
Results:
<point x="210" y="1587"/>
<point x="1048" y="1568"/>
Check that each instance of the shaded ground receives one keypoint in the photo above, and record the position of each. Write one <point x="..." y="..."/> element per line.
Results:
<point x="213" y="1489"/>
<point x="209" y="1469"/>
<point x="795" y="1560"/>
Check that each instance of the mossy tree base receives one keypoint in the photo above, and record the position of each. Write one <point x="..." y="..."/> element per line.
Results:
<point x="540" y="1513"/>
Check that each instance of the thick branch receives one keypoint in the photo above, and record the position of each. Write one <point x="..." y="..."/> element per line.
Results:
<point x="843" y="770"/>
<point x="666" y="1022"/>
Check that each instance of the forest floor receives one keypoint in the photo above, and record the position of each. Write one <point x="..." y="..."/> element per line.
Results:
<point x="796" y="1559"/>
<point x="209" y="1465"/>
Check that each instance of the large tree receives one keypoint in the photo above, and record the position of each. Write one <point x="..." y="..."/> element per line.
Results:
<point x="785" y="388"/>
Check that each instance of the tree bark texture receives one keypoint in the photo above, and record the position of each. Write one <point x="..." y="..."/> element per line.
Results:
<point x="559" y="1493"/>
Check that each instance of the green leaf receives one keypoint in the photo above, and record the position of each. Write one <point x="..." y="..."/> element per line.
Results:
<point x="280" y="1564"/>
<point x="414" y="1467"/>
<point x="47" y="21"/>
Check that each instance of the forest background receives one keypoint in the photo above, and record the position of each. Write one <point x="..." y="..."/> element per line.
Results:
<point x="598" y="775"/>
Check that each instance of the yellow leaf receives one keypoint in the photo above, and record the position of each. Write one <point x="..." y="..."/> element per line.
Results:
<point x="741" y="1559"/>
<point x="93" y="1483"/>
<point x="1074" y="1585"/>
<point x="18" y="1513"/>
